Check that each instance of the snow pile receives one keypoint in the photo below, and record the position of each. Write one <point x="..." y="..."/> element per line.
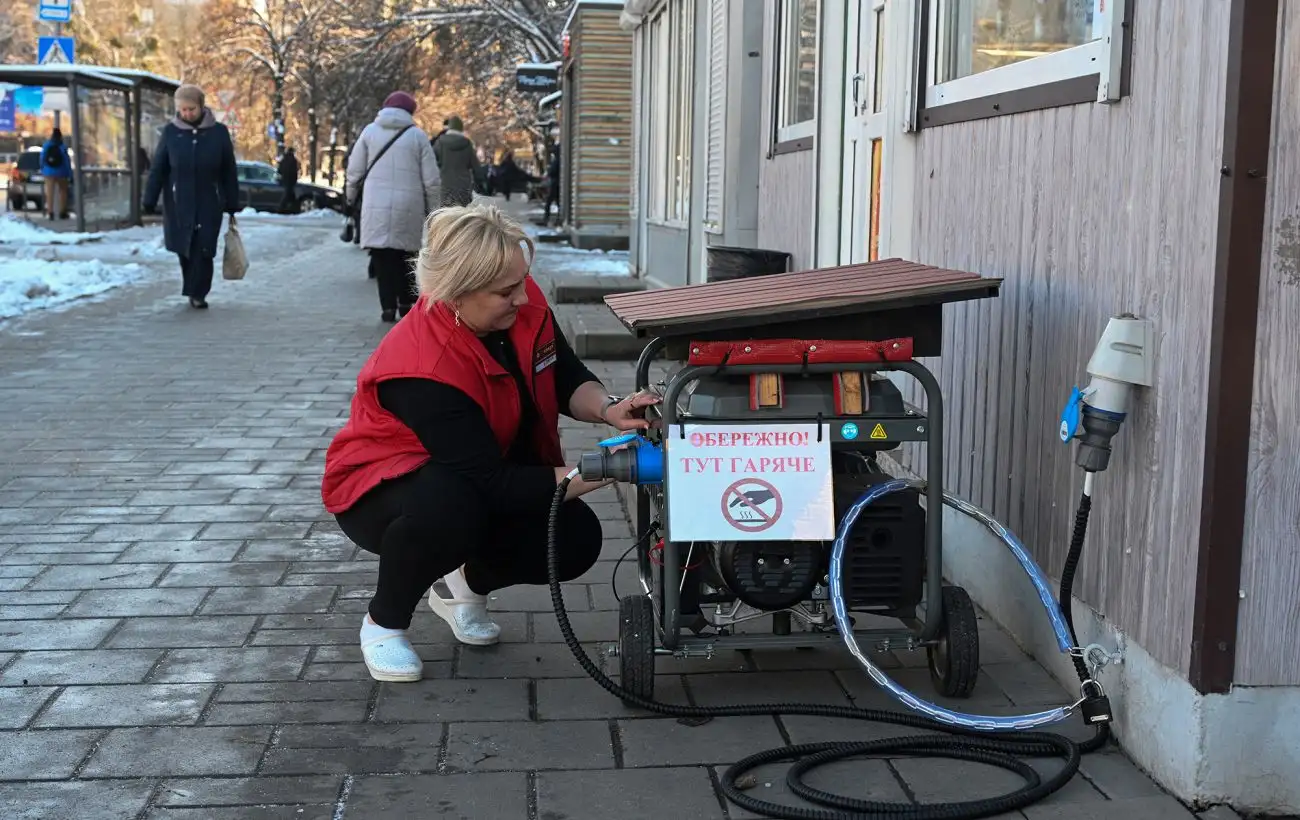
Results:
<point x="15" y="231"/>
<point x="591" y="263"/>
<point x="313" y="214"/>
<point x="32" y="284"/>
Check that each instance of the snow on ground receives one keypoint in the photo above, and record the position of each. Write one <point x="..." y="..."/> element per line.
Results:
<point x="41" y="269"/>
<point x="564" y="259"/>
<point x="318" y="213"/>
<point x="16" y="231"/>
<point x="34" y="284"/>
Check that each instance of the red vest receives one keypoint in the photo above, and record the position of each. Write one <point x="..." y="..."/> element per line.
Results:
<point x="375" y="446"/>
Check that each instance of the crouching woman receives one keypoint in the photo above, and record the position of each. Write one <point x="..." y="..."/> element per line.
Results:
<point x="450" y="458"/>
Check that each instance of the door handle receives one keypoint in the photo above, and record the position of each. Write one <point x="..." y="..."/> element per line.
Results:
<point x="857" y="85"/>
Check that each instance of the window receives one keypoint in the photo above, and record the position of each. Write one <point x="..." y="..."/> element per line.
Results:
<point x="671" y="49"/>
<point x="1068" y="50"/>
<point x="796" y="87"/>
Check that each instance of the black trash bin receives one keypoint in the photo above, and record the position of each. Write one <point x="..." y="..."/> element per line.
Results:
<point x="726" y="263"/>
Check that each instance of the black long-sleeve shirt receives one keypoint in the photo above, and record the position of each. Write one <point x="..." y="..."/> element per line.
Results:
<point x="455" y="431"/>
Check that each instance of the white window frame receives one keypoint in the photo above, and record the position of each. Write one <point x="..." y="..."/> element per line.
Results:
<point x="1103" y="57"/>
<point x="787" y="55"/>
<point x="670" y="72"/>
<point x="657" y="132"/>
<point x="715" y="127"/>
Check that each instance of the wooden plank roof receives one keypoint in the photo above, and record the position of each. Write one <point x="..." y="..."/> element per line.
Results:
<point x="888" y="284"/>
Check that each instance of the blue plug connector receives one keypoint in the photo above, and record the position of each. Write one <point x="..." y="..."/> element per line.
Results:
<point x="642" y="462"/>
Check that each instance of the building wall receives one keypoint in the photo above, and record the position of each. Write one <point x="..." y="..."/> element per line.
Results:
<point x="787" y="184"/>
<point x="1270" y="573"/>
<point x="601" y="164"/>
<point x="668" y="255"/>
<point x="1088" y="211"/>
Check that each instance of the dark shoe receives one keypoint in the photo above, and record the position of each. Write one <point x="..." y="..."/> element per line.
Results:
<point x="198" y="304"/>
<point x="63" y="215"/>
<point x="388" y="316"/>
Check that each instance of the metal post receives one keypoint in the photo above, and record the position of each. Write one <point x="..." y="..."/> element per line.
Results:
<point x="133" y="146"/>
<point x="58" y="32"/>
<point x="78" y="178"/>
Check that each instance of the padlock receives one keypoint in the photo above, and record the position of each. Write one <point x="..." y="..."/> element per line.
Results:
<point x="1095" y="706"/>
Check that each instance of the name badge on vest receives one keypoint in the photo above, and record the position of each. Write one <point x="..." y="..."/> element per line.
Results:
<point x="545" y="357"/>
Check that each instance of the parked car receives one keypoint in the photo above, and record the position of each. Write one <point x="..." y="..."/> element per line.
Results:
<point x="25" y="181"/>
<point x="260" y="189"/>
<point x="27" y="184"/>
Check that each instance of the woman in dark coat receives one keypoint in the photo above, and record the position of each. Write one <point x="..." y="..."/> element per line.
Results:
<point x="194" y="171"/>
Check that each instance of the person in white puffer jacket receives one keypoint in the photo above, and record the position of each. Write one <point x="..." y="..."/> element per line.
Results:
<point x="398" y="185"/>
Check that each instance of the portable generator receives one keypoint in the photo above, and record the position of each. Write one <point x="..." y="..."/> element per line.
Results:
<point x="748" y="535"/>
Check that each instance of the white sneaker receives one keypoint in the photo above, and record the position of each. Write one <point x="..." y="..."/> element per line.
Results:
<point x="392" y="658"/>
<point x="467" y="615"/>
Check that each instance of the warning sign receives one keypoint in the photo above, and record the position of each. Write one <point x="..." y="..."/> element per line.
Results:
<point x="752" y="482"/>
<point x="878" y="432"/>
<point x="751" y="505"/>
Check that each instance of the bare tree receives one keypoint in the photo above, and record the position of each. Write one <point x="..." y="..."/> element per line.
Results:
<point x="526" y="29"/>
<point x="272" y="37"/>
<point x="18" y="32"/>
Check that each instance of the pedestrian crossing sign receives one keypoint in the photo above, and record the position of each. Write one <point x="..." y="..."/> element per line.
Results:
<point x="56" y="51"/>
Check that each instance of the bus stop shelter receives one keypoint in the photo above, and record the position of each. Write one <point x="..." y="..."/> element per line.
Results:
<point x="116" y="116"/>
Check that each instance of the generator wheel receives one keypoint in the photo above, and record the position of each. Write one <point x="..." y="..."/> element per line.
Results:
<point x="955" y="659"/>
<point x="636" y="646"/>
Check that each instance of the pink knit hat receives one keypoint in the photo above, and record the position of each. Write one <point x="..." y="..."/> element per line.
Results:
<point x="402" y="100"/>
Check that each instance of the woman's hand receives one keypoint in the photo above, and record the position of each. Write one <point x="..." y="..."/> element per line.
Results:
<point x="629" y="412"/>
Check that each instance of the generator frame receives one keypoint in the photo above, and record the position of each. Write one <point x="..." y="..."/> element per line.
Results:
<point x="669" y="623"/>
<point x="888" y="299"/>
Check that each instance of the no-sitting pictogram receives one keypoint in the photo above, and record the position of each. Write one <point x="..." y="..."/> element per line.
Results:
<point x="751" y="505"/>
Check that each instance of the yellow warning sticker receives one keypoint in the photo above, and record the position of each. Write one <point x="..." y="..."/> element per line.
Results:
<point x="879" y="431"/>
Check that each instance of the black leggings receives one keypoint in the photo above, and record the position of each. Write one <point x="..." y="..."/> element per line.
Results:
<point x="427" y="523"/>
<point x="392" y="267"/>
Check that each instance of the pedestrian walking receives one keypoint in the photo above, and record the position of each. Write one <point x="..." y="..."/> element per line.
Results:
<point x="194" y="172"/>
<point x="553" y="187"/>
<point x="288" y="173"/>
<point x="451" y="454"/>
<point x="458" y="161"/>
<point x="510" y="177"/>
<point x="56" y="167"/>
<point x="394" y="177"/>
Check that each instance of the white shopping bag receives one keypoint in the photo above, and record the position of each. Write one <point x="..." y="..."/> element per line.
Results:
<point x="234" y="264"/>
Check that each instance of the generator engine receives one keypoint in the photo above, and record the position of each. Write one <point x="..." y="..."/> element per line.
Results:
<point x="885" y="554"/>
<point x="884" y="568"/>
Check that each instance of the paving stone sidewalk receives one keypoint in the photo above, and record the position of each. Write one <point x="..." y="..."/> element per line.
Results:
<point x="178" y="615"/>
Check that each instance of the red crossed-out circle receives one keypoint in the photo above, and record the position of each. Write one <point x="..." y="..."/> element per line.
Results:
<point x="738" y="490"/>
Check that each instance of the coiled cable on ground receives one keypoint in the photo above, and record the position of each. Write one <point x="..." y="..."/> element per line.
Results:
<point x="1004" y="750"/>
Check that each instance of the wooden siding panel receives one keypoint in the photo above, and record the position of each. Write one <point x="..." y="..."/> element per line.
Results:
<point x="1269" y="619"/>
<point x="787" y="201"/>
<point x="602" y="162"/>
<point x="787" y="184"/>
<point x="1087" y="211"/>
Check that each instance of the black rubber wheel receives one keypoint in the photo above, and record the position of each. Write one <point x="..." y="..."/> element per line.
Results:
<point x="636" y="646"/>
<point x="955" y="660"/>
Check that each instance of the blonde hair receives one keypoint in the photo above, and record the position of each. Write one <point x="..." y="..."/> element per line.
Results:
<point x="466" y="249"/>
